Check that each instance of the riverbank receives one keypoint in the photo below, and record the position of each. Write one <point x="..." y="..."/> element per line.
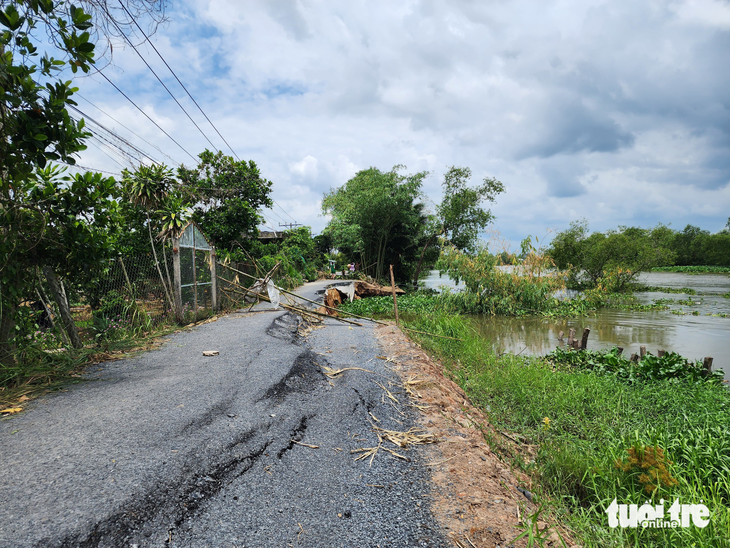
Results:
<point x="592" y="434"/>
<point x="479" y="498"/>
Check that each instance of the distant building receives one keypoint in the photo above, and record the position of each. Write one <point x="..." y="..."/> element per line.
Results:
<point x="268" y="237"/>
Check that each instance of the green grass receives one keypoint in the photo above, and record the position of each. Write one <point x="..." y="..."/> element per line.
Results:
<point x="693" y="269"/>
<point x="595" y="418"/>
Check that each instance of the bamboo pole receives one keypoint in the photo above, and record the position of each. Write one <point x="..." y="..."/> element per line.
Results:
<point x="126" y="278"/>
<point x="308" y="300"/>
<point x="289" y="307"/>
<point x="313" y="312"/>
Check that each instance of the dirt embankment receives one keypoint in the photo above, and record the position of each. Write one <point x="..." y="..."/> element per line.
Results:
<point x="476" y="495"/>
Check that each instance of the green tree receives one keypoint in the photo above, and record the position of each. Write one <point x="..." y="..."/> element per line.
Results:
<point x="35" y="128"/>
<point x="376" y="218"/>
<point x="226" y="196"/>
<point x="460" y="216"/>
<point x="615" y="255"/>
<point x="688" y="245"/>
<point x="153" y="189"/>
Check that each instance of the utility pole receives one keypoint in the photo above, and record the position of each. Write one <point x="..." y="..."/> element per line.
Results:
<point x="290" y="225"/>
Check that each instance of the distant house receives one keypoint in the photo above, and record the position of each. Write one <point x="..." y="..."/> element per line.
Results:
<point x="268" y="237"/>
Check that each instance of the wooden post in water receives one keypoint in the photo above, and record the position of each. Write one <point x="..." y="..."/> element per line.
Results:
<point x="395" y="301"/>
<point x="707" y="364"/>
<point x="642" y="351"/>
<point x="571" y="337"/>
<point x="620" y="350"/>
<point x="660" y="353"/>
<point x="560" y="335"/>
<point x="634" y="357"/>
<point x="584" y="339"/>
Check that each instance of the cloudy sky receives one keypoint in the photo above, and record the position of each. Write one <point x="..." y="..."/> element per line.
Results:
<point x="614" y="111"/>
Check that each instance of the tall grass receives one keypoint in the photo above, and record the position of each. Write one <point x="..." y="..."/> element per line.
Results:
<point x="595" y="423"/>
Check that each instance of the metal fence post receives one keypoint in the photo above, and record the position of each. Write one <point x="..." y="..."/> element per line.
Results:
<point x="177" y="278"/>
<point x="214" y="282"/>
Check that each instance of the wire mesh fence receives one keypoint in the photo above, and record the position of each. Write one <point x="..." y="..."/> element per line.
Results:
<point x="232" y="277"/>
<point x="131" y="296"/>
<point x="125" y="296"/>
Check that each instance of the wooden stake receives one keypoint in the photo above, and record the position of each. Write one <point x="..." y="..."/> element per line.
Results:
<point x="126" y="277"/>
<point x="584" y="339"/>
<point x="620" y="350"/>
<point x="395" y="301"/>
<point x="177" y="280"/>
<point x="707" y="364"/>
<point x="661" y="353"/>
<point x="571" y="337"/>
<point x="642" y="351"/>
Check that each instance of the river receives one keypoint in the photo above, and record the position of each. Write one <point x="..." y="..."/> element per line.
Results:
<point x="694" y="331"/>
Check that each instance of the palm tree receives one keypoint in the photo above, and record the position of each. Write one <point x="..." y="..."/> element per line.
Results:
<point x="150" y="187"/>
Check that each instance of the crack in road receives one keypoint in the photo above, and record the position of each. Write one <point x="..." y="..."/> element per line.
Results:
<point x="296" y="434"/>
<point x="170" y="502"/>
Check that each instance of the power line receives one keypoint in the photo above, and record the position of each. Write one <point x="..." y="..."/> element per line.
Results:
<point x="184" y="88"/>
<point x="115" y="135"/>
<point x="145" y="114"/>
<point x="277" y="215"/>
<point x="78" y="166"/>
<point x="162" y="83"/>
<point x="116" y="161"/>
<point x="284" y="210"/>
<point x="178" y="81"/>
<point x="128" y="129"/>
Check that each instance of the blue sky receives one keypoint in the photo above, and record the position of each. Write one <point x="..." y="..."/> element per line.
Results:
<point x="613" y="111"/>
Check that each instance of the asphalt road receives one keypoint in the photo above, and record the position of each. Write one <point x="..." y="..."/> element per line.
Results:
<point x="174" y="449"/>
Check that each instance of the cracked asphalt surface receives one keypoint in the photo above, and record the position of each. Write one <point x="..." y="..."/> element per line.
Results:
<point x="173" y="449"/>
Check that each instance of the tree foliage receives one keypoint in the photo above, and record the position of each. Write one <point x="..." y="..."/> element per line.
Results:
<point x="226" y="195"/>
<point x="616" y="255"/>
<point x="377" y="219"/>
<point x="460" y="213"/>
<point x="460" y="216"/>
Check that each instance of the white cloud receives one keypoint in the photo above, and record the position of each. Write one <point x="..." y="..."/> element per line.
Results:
<point x="582" y="108"/>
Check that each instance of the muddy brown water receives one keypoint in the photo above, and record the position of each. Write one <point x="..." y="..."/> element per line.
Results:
<point x="694" y="331"/>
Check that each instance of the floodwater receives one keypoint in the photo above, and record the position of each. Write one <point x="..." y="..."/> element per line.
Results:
<point x="676" y="330"/>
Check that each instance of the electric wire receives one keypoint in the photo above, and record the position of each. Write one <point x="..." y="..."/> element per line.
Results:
<point x="115" y="160"/>
<point x="145" y="114"/>
<point x="186" y="91"/>
<point x="114" y="134"/>
<point x="284" y="210"/>
<point x="94" y="169"/>
<point x="277" y="215"/>
<point x="178" y="81"/>
<point x="128" y="129"/>
<point x="162" y="83"/>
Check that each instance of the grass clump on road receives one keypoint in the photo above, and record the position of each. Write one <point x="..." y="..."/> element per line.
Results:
<point x="602" y="435"/>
